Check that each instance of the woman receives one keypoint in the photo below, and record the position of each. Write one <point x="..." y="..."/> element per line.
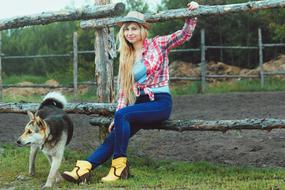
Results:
<point x="144" y="95"/>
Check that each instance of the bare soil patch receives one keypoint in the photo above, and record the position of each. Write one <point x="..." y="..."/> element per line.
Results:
<point x="246" y="147"/>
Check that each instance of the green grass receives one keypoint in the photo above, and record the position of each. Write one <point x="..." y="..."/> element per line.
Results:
<point x="38" y="98"/>
<point x="148" y="174"/>
<point x="14" y="79"/>
<point x="272" y="84"/>
<point x="90" y="95"/>
<point x="178" y="88"/>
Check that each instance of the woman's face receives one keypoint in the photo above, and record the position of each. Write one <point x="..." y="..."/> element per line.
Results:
<point x="132" y="33"/>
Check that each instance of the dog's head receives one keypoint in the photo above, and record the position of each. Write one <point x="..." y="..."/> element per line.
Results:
<point x="36" y="131"/>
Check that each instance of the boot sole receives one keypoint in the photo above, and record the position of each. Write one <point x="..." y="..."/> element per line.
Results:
<point x="82" y="179"/>
<point x="69" y="178"/>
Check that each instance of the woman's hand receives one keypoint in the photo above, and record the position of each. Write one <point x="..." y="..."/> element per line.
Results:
<point x="111" y="126"/>
<point x="192" y="5"/>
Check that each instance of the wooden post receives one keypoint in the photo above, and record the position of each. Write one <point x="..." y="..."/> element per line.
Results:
<point x="104" y="65"/>
<point x="75" y="65"/>
<point x="260" y="47"/>
<point x="203" y="62"/>
<point x="1" y="82"/>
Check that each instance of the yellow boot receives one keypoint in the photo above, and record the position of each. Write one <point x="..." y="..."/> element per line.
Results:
<point x="119" y="170"/>
<point x="81" y="172"/>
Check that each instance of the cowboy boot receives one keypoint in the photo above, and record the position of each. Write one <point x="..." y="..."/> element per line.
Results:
<point x="81" y="172"/>
<point x="119" y="170"/>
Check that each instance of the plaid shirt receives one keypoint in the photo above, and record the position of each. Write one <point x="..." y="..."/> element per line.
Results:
<point x="155" y="56"/>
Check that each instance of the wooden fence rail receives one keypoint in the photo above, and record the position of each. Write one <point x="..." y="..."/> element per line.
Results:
<point x="183" y="13"/>
<point x="84" y="13"/>
<point x="205" y="125"/>
<point x="105" y="111"/>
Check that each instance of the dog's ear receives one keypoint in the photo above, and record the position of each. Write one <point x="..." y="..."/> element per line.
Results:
<point x="31" y="115"/>
<point x="40" y="122"/>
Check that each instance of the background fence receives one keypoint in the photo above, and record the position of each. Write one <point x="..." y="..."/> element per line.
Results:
<point x="203" y="76"/>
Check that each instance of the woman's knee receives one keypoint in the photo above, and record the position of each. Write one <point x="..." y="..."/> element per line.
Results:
<point x="120" y="115"/>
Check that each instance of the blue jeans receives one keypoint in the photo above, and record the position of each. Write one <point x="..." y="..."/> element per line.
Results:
<point x="128" y="121"/>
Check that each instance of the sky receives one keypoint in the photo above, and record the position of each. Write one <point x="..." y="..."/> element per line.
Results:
<point x="11" y="8"/>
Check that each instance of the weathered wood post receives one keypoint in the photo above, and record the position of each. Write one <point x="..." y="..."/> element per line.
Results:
<point x="260" y="47"/>
<point x="104" y="65"/>
<point x="203" y="62"/>
<point x="1" y="82"/>
<point x="75" y="65"/>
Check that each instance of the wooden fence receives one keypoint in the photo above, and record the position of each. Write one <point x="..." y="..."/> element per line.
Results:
<point x="203" y="76"/>
<point x="105" y="109"/>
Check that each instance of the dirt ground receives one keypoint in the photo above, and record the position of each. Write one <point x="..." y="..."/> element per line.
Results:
<point x="246" y="147"/>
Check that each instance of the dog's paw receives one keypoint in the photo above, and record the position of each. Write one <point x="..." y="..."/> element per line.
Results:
<point x="58" y="178"/>
<point x="45" y="186"/>
<point x="32" y="173"/>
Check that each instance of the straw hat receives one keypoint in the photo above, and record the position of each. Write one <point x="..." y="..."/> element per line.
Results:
<point x="134" y="16"/>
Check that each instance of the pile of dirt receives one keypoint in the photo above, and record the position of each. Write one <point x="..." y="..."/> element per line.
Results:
<point x="26" y="90"/>
<point x="185" y="69"/>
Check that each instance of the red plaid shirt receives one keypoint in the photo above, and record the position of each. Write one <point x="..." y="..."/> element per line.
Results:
<point x="155" y="56"/>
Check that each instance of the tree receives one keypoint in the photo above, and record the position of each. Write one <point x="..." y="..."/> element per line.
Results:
<point x="234" y="29"/>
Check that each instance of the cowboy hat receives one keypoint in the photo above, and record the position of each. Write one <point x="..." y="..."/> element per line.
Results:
<point x="134" y="16"/>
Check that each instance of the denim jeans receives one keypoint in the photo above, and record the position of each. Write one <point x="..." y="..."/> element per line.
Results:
<point x="128" y="121"/>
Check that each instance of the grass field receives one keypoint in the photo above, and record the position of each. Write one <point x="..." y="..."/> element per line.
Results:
<point x="187" y="88"/>
<point x="147" y="174"/>
<point x="177" y="88"/>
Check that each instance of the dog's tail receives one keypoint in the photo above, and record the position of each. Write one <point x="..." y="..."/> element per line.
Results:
<point x="54" y="98"/>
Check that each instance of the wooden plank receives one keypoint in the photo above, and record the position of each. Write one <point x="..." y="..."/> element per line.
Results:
<point x="183" y="13"/>
<point x="104" y="46"/>
<point x="205" y="125"/>
<point x="87" y="12"/>
<point x="203" y="62"/>
<point x="35" y="56"/>
<point x="75" y="65"/>
<point x="105" y="114"/>
<point x="1" y="82"/>
<point x="231" y="47"/>
<point x="274" y="45"/>
<point x="70" y="85"/>
<point x="79" y="108"/>
<point x="260" y="47"/>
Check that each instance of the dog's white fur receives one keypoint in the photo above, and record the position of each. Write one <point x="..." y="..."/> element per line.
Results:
<point x="56" y="96"/>
<point x="39" y="134"/>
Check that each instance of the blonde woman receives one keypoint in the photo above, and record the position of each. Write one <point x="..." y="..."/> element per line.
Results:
<point x="144" y="96"/>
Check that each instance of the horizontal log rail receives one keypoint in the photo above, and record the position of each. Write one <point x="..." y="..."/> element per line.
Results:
<point x="105" y="109"/>
<point x="104" y="113"/>
<point x="205" y="125"/>
<point x="87" y="12"/>
<point x="183" y="13"/>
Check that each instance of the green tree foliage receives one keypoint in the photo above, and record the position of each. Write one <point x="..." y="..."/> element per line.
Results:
<point x="52" y="39"/>
<point x="231" y="29"/>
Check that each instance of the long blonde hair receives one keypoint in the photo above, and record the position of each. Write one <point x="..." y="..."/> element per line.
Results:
<point x="126" y="62"/>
